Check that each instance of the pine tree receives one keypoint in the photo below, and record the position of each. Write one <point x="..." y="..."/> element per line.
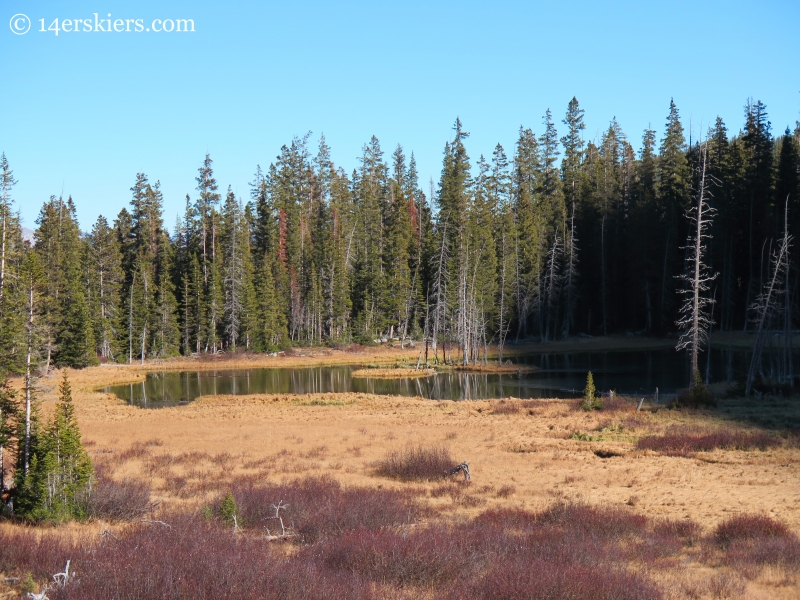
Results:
<point x="105" y="285"/>
<point x="398" y="304"/>
<point x="9" y="424"/>
<point x="454" y="199"/>
<point x="7" y="183"/>
<point x="756" y="187"/>
<point x="371" y="199"/>
<point x="787" y="179"/>
<point x="238" y="272"/>
<point x="505" y="238"/>
<point x="590" y="400"/>
<point x="530" y="225"/>
<point x="482" y="289"/>
<point x="12" y="292"/>
<point x="672" y="196"/>
<point x="573" y="152"/>
<point x="61" y="471"/>
<point x="648" y="232"/>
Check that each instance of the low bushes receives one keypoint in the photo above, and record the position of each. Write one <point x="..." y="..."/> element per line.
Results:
<point x="357" y="544"/>
<point x="118" y="501"/>
<point x="685" y="441"/>
<point x="416" y="463"/>
<point x="751" y="541"/>
<point x="319" y="507"/>
<point x="193" y="558"/>
<point x="523" y="579"/>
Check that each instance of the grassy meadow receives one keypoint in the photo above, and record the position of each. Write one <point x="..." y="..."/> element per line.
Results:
<point x="616" y="503"/>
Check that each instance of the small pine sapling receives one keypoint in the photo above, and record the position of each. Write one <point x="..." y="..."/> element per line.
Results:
<point x="228" y="509"/>
<point x="590" y="400"/>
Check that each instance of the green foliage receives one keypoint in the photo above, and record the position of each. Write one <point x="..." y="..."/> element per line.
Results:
<point x="321" y="256"/>
<point x="591" y="401"/>
<point x="60" y="470"/>
<point x="228" y="509"/>
<point x="9" y="420"/>
<point x="28" y="585"/>
<point x="697" y="396"/>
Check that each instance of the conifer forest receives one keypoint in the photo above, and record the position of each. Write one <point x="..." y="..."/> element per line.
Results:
<point x="555" y="237"/>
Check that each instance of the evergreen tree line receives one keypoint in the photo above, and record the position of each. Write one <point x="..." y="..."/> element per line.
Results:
<point x="565" y="236"/>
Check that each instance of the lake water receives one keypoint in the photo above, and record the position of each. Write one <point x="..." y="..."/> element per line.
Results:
<point x="558" y="376"/>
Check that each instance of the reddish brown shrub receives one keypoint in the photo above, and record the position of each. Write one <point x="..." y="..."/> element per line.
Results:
<point x="416" y="463"/>
<point x="192" y="558"/>
<point x="684" y="529"/>
<point x="319" y="507"/>
<point x="41" y="555"/>
<point x="522" y="579"/>
<point x="749" y="527"/>
<point x="429" y="557"/>
<point x="751" y="541"/>
<point x="685" y="441"/>
<point x="118" y="500"/>
<point x="606" y="523"/>
<point x="137" y="450"/>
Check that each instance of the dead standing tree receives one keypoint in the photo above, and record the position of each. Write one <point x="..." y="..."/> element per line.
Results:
<point x="767" y="305"/>
<point x="694" y="320"/>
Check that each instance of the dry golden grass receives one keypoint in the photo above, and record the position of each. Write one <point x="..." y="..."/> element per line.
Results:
<point x="530" y="450"/>
<point x="496" y="368"/>
<point x="524" y="459"/>
<point x="399" y="373"/>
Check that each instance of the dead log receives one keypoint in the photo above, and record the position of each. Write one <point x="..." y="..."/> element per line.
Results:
<point x="464" y="467"/>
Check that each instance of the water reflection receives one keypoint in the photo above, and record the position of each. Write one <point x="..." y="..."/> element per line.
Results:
<point x="558" y="375"/>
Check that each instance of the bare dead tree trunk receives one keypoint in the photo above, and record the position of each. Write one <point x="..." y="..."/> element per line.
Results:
<point x="440" y="291"/>
<point x="130" y="323"/>
<point x="28" y="381"/>
<point x="694" y="319"/>
<point x="765" y="305"/>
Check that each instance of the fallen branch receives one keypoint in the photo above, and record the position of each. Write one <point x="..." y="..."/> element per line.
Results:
<point x="61" y="579"/>
<point x="154" y="522"/>
<point x="464" y="466"/>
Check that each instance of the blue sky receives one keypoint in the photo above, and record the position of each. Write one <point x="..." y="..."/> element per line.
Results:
<point x="84" y="112"/>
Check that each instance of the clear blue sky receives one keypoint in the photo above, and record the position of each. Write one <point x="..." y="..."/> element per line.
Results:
<point x="84" y="112"/>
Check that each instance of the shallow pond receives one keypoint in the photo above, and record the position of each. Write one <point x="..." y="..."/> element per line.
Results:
<point x="558" y="376"/>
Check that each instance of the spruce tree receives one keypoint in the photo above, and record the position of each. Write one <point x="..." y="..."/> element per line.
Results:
<point x="12" y="289"/>
<point x="672" y="196"/>
<point x="531" y="236"/>
<point x="9" y="423"/>
<point x="61" y="470"/>
<point x="105" y="277"/>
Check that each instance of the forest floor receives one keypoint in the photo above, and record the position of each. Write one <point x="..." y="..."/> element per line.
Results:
<point x="522" y="454"/>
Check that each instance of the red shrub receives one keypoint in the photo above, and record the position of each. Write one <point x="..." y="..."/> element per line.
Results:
<point x="686" y="441"/>
<point x="320" y="507"/>
<point x="429" y="557"/>
<point x="41" y="555"/>
<point x="416" y="463"/>
<point x="118" y="500"/>
<point x="683" y="529"/>
<point x="196" y="559"/>
<point x="752" y="541"/>
<point x="606" y="523"/>
<point x="522" y="579"/>
<point x="749" y="527"/>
